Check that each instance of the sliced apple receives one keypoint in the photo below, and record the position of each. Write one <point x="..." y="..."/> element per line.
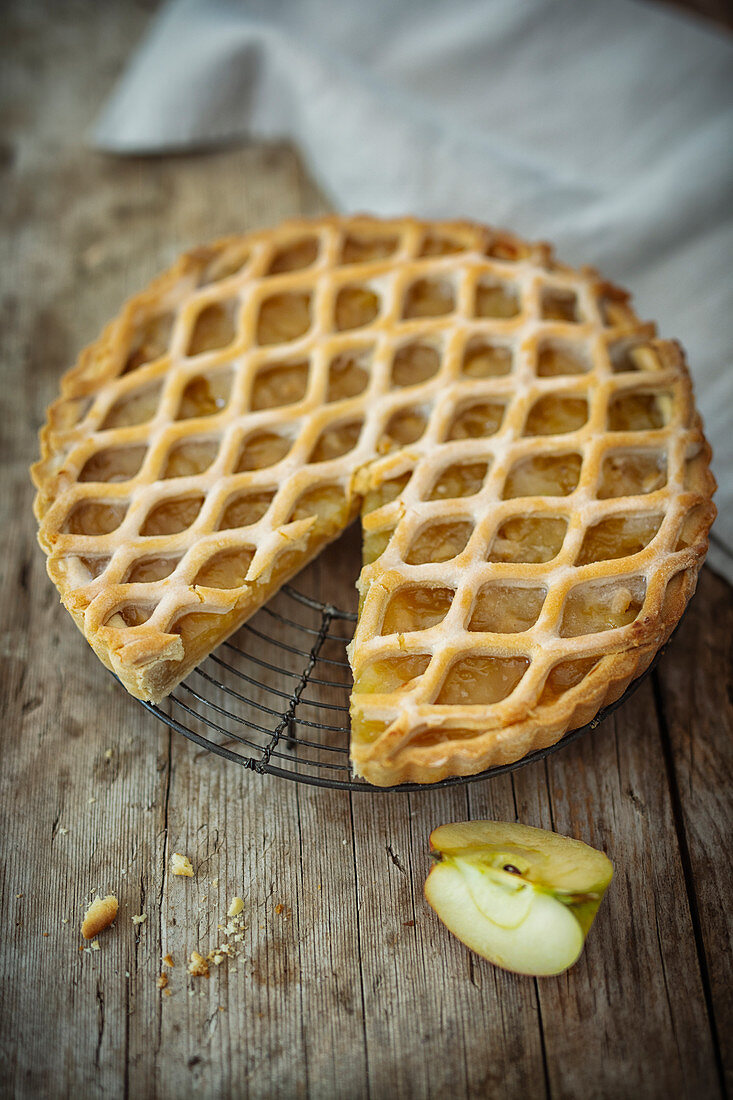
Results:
<point x="522" y="898"/>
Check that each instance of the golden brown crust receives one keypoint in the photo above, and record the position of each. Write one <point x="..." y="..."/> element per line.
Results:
<point x="416" y="738"/>
<point x="99" y="916"/>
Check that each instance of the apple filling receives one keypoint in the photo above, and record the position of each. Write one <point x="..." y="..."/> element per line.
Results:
<point x="565" y="676"/>
<point x="415" y="607"/>
<point x="462" y="479"/>
<point x="95" y="518"/>
<point x="543" y="475"/>
<point x="260" y="450"/>
<point x="632" y="473"/>
<point x="481" y="680"/>
<point x="149" y="570"/>
<point x="554" y="415"/>
<point x="172" y="516"/>
<point x="149" y="342"/>
<point x="284" y="317"/>
<point x="205" y="395"/>
<point x="113" y="464"/>
<point x="347" y="376"/>
<point x="391" y="674"/>
<point x="559" y="357"/>
<point x="486" y="359"/>
<point x="506" y="608"/>
<point x="528" y="539"/>
<point x="214" y="328"/>
<point x="384" y="493"/>
<point x="244" y="509"/>
<point x="439" y="542"/>
<point x="294" y="257"/>
<point x="618" y="537"/>
<point x="638" y="411"/>
<point x="429" y="298"/>
<point x="558" y="304"/>
<point x="404" y="427"/>
<point x="336" y="440"/>
<point x="494" y="299"/>
<point x="359" y="250"/>
<point x="593" y="607"/>
<point x="279" y="385"/>
<point x="476" y="420"/>
<point x="356" y="307"/>
<point x="440" y="246"/>
<point x="375" y="543"/>
<point x="190" y="457"/>
<point x="135" y="407"/>
<point x="414" y="364"/>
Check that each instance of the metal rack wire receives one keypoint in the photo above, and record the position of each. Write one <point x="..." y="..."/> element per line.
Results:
<point x="237" y="703"/>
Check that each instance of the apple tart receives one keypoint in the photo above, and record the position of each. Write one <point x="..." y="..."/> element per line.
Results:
<point x="530" y="469"/>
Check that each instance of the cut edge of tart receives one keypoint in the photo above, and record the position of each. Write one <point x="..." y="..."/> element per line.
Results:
<point x="532" y="474"/>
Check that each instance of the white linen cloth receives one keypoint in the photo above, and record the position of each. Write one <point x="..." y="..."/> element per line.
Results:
<point x="606" y="127"/>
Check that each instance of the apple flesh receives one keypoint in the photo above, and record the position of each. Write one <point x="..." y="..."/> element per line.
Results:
<point x="522" y="898"/>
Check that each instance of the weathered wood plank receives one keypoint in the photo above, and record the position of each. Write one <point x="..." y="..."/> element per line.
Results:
<point x="637" y="990"/>
<point x="496" y="1014"/>
<point x="695" y="701"/>
<point x="338" y="994"/>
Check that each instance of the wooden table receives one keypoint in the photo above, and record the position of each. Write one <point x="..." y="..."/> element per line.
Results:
<point x="345" y="984"/>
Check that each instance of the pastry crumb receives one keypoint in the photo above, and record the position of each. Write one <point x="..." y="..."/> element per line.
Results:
<point x="168" y="960"/>
<point x="92" y="799"/>
<point x="218" y="954"/>
<point x="140" y="918"/>
<point x="94" y="945"/>
<point x="108" y="754"/>
<point x="279" y="908"/>
<point x="99" y="916"/>
<point x="198" y="966"/>
<point x="215" y="882"/>
<point x="236" y="907"/>
<point x="166" y="993"/>
<point x="181" y="865"/>
<point x="162" y="981"/>
<point x="64" y="832"/>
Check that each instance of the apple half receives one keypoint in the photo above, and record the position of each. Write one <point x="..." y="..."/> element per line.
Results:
<point x="522" y="898"/>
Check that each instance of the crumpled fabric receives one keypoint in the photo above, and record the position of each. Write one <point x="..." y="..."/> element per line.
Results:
<point x="604" y="127"/>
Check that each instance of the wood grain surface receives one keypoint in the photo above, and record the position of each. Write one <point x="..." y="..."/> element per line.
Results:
<point x="344" y="982"/>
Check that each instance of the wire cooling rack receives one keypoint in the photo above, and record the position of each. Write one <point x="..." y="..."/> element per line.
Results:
<point x="275" y="699"/>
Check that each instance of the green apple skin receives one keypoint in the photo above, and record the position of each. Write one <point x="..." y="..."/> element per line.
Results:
<point x="532" y="918"/>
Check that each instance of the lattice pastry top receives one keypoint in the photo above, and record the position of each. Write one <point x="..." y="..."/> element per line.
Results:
<point x="526" y="454"/>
